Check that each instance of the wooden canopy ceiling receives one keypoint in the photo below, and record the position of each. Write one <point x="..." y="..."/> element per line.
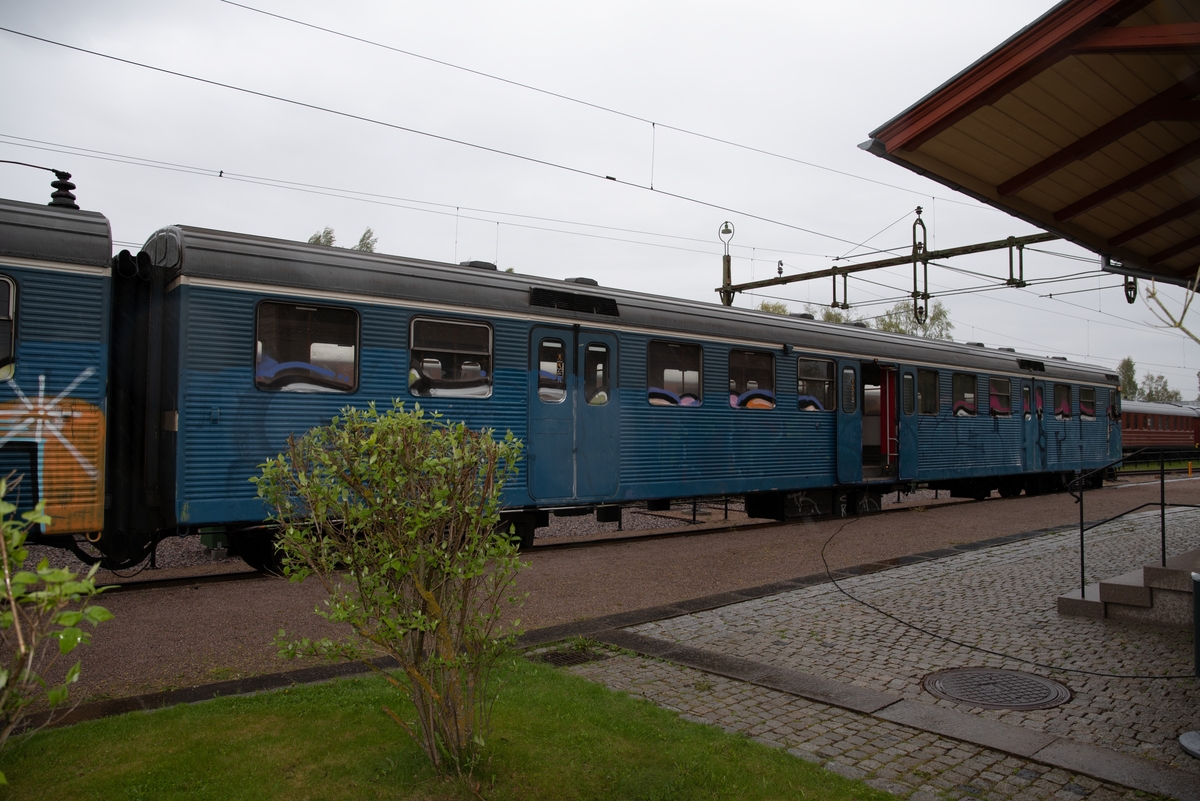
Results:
<point x="1086" y="123"/>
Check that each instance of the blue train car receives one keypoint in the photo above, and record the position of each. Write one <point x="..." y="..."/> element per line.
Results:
<point x="54" y="322"/>
<point x="619" y="396"/>
<point x="141" y="394"/>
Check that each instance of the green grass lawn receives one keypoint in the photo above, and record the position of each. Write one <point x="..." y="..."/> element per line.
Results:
<point x="555" y="736"/>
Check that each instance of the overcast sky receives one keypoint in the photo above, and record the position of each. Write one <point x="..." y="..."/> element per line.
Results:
<point x="804" y="80"/>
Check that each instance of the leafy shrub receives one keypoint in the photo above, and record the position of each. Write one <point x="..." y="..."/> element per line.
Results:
<point x="41" y="617"/>
<point x="396" y="515"/>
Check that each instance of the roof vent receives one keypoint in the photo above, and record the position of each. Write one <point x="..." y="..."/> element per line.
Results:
<point x="1031" y="364"/>
<point x="1111" y="377"/>
<point x="1008" y="350"/>
<point x="478" y="265"/>
<point x="572" y="301"/>
<point x="856" y="323"/>
<point x="802" y="315"/>
<point x="976" y="344"/>
<point x="588" y="281"/>
<point x="1059" y="358"/>
<point x="62" y="196"/>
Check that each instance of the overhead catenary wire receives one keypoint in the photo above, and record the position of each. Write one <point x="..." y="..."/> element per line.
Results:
<point x="654" y="124"/>
<point x="379" y="199"/>
<point x="418" y="132"/>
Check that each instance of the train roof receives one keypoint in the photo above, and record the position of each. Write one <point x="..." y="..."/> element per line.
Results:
<point x="220" y="256"/>
<point x="54" y="233"/>
<point x="1147" y="407"/>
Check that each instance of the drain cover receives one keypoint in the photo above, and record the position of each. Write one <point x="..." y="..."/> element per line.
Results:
<point x="996" y="689"/>
<point x="569" y="658"/>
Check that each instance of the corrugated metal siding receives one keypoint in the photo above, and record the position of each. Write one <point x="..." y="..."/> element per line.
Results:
<point x="61" y="362"/>
<point x="956" y="447"/>
<point x="228" y="427"/>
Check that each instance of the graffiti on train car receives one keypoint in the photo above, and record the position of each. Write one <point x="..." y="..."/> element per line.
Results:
<point x="63" y="438"/>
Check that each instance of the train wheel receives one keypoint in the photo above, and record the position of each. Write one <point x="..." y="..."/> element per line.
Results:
<point x="257" y="549"/>
<point x="1010" y="489"/>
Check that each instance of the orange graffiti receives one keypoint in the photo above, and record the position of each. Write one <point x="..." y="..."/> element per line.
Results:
<point x="65" y="440"/>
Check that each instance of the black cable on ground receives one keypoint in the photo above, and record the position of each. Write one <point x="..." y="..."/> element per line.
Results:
<point x="953" y="641"/>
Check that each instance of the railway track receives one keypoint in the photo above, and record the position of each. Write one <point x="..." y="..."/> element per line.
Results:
<point x="184" y="581"/>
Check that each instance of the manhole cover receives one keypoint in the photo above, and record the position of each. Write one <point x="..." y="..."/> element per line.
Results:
<point x="996" y="689"/>
<point x="570" y="658"/>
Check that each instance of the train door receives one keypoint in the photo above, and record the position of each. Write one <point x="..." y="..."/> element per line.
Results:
<point x="906" y="438"/>
<point x="573" y="448"/>
<point x="598" y="416"/>
<point x="1038" y="465"/>
<point x="849" y="426"/>
<point x="1029" y="428"/>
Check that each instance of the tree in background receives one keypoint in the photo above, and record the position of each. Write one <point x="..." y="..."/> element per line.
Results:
<point x="1127" y="372"/>
<point x="322" y="238"/>
<point x="773" y="306"/>
<point x="828" y="314"/>
<point x="900" y="320"/>
<point x="366" y="242"/>
<point x="1155" y="389"/>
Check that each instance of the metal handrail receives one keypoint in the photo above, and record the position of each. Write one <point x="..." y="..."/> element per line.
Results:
<point x="1080" y="483"/>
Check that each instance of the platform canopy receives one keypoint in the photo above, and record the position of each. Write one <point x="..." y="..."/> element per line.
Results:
<point x="1086" y="123"/>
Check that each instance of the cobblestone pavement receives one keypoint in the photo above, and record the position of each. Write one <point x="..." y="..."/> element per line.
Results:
<point x="1002" y="599"/>
<point x="897" y="759"/>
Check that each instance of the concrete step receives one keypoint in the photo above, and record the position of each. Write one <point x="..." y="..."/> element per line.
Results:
<point x="1177" y="575"/>
<point x="1127" y="588"/>
<point x="1150" y="596"/>
<point x="1090" y="605"/>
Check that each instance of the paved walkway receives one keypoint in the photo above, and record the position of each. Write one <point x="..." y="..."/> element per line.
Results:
<point x="999" y="598"/>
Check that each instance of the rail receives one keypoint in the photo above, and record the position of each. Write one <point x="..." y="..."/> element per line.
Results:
<point x="1079" y="483"/>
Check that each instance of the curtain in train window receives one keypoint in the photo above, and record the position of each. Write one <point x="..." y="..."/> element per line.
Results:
<point x="928" y="399"/>
<point x="304" y="348"/>
<point x="8" y="333"/>
<point x="907" y="393"/>
<point x="999" y="397"/>
<point x="815" y="380"/>
<point x="1026" y="405"/>
<point x="449" y="359"/>
<point x="597" y="378"/>
<point x="963" y="387"/>
<point x="751" y="379"/>
<point x="849" y="391"/>
<point x="1087" y="403"/>
<point x="673" y="375"/>
<point x="1062" y="402"/>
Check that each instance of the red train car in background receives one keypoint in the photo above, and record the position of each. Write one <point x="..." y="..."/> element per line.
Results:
<point x="1158" y="425"/>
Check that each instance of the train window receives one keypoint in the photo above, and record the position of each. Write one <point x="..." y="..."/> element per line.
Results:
<point x="815" y="380"/>
<point x="1026" y="405"/>
<point x="907" y="393"/>
<point x="849" y="391"/>
<point x="1039" y="400"/>
<point x="306" y="348"/>
<point x="928" y="398"/>
<point x="1087" y="403"/>
<point x="751" y="379"/>
<point x="450" y="359"/>
<point x="673" y="376"/>
<point x="999" y="397"/>
<point x="1062" y="402"/>
<point x="597" y="378"/>
<point x="552" y="374"/>
<point x="964" y="386"/>
<point x="8" y="334"/>
<point x="1114" y="404"/>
